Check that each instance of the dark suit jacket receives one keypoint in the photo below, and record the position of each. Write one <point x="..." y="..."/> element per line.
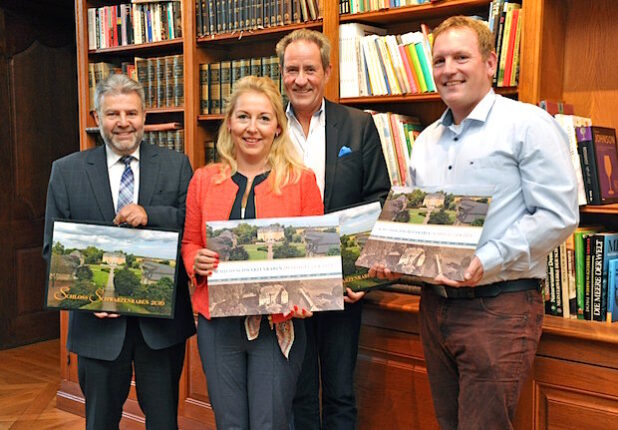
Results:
<point x="361" y="176"/>
<point x="79" y="190"/>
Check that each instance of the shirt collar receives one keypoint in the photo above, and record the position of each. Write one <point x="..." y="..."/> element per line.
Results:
<point x="479" y="113"/>
<point x="320" y="113"/>
<point x="113" y="158"/>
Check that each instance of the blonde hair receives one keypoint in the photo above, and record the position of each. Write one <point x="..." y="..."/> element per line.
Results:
<point x="283" y="159"/>
<point x="483" y="35"/>
<point x="305" y="35"/>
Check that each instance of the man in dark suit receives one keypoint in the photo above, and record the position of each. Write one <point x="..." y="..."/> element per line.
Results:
<point x="341" y="145"/>
<point x="130" y="183"/>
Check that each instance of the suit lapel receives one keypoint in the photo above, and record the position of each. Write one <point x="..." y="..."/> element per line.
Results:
<point x="333" y="145"/>
<point x="149" y="165"/>
<point x="96" y="168"/>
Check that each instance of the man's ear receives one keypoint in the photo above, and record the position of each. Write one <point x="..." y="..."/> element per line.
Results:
<point x="95" y="114"/>
<point x="492" y="64"/>
<point x="327" y="73"/>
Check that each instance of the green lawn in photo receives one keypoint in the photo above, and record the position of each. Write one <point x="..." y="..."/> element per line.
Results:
<point x="415" y="218"/>
<point x="254" y="253"/>
<point x="99" y="277"/>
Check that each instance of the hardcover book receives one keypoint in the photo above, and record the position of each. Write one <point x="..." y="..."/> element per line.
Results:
<point x="599" y="162"/>
<point x="612" y="284"/>
<point x="425" y="233"/>
<point x="269" y="265"/>
<point x="355" y="226"/>
<point x="103" y="268"/>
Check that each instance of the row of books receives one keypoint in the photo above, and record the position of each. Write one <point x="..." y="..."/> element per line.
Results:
<point x="581" y="277"/>
<point x="217" y="79"/>
<point x="161" y="77"/>
<point x="128" y="24"/>
<point x="227" y="16"/>
<point x="171" y="139"/>
<point x="397" y="135"/>
<point x="505" y="23"/>
<point x="594" y="155"/>
<point x="382" y="64"/>
<point x="210" y="152"/>
<point x="360" y="6"/>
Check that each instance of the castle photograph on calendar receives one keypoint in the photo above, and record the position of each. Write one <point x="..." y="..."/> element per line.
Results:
<point x="424" y="233"/>
<point x="104" y="268"/>
<point x="268" y="266"/>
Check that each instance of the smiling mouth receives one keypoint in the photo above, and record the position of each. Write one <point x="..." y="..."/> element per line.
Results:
<point x="453" y="83"/>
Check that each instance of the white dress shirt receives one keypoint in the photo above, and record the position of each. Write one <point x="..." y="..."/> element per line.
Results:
<point x="312" y="148"/>
<point x="520" y="151"/>
<point x="115" y="167"/>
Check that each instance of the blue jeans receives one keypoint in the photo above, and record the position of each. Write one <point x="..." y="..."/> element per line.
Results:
<point x="250" y="383"/>
<point x="332" y="340"/>
<point x="478" y="353"/>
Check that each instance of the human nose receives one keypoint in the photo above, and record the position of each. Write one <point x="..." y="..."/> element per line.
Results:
<point x="449" y="66"/>
<point x="252" y="128"/>
<point x="122" y="119"/>
<point x="301" y="78"/>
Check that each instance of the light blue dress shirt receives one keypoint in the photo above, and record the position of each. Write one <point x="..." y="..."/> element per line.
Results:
<point x="518" y="153"/>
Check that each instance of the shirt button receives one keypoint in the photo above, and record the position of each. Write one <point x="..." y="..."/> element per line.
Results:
<point x="450" y="167"/>
<point x="455" y="138"/>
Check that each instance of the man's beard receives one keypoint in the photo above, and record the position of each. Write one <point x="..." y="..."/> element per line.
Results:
<point x="124" y="148"/>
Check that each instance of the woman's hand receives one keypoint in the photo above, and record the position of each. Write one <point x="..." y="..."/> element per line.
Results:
<point x="296" y="312"/>
<point x="206" y="260"/>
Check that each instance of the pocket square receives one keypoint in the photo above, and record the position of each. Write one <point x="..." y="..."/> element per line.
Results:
<point x="344" y="151"/>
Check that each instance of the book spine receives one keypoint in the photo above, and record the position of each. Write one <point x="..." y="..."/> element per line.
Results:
<point x="558" y="282"/>
<point x="550" y="307"/>
<point x="580" y="266"/>
<point x="214" y="93"/>
<point x="588" y="278"/>
<point x="226" y="80"/>
<point x="597" y="279"/>
<point x="169" y="81"/>
<point x="179" y="87"/>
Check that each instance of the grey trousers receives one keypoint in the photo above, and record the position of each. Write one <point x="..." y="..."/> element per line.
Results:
<point x="251" y="384"/>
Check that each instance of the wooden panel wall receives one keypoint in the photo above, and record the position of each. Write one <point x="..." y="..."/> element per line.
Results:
<point x="38" y="107"/>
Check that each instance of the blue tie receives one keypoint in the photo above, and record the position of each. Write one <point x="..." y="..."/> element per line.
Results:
<point x="125" y="192"/>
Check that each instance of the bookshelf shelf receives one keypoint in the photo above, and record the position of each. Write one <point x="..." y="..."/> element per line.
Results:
<point x="600" y="209"/>
<point x="411" y="13"/>
<point x="179" y="109"/>
<point x="131" y="49"/>
<point x="213" y="117"/>
<point x="256" y="35"/>
<point x="412" y="98"/>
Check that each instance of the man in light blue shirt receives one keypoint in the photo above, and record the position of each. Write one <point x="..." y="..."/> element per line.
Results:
<point x="480" y="335"/>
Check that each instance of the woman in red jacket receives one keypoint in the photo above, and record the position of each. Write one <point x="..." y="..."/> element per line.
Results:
<point x="251" y="363"/>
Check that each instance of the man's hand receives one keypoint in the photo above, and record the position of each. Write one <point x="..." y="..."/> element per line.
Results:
<point x="132" y="214"/>
<point x="381" y="272"/>
<point x="105" y="315"/>
<point x="353" y="297"/>
<point x="472" y="276"/>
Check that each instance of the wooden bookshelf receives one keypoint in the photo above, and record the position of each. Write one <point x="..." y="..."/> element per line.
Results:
<point x="564" y="56"/>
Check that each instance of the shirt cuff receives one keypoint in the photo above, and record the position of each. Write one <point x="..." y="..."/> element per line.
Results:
<point x="490" y="258"/>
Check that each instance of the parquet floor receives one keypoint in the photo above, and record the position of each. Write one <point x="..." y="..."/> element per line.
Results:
<point x="29" y="379"/>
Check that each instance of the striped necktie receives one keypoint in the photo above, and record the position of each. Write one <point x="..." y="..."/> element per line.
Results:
<point x="125" y="192"/>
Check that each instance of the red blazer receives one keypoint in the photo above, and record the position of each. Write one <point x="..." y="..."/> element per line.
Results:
<point x="209" y="201"/>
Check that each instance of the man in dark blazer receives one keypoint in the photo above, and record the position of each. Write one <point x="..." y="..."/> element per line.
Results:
<point x="88" y="186"/>
<point x="342" y="146"/>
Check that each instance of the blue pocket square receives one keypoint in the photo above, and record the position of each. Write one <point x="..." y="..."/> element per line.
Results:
<point x="344" y="151"/>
